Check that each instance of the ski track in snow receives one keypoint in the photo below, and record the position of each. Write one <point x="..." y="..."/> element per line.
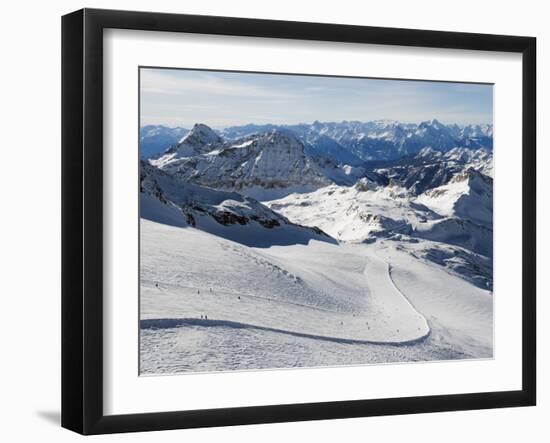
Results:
<point x="290" y="306"/>
<point x="459" y="314"/>
<point x="384" y="306"/>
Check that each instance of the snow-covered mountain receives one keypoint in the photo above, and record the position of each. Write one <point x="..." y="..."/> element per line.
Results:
<point x="200" y="140"/>
<point x="457" y="216"/>
<point x="320" y="145"/>
<point x="354" y="214"/>
<point x="268" y="161"/>
<point x="391" y="139"/>
<point x="436" y="195"/>
<point x="352" y="142"/>
<point x="227" y="214"/>
<point x="468" y="195"/>
<point x="431" y="168"/>
<point x="458" y="213"/>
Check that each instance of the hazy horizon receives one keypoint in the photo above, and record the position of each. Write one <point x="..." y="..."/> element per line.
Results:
<point x="219" y="128"/>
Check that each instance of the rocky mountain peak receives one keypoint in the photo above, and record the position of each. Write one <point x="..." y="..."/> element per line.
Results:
<point x="201" y="136"/>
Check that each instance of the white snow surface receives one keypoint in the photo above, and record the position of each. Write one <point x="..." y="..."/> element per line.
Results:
<point x="354" y="213"/>
<point x="298" y="305"/>
<point x="459" y="213"/>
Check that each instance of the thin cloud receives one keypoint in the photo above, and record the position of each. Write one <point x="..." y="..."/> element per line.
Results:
<point x="183" y="97"/>
<point x="165" y="82"/>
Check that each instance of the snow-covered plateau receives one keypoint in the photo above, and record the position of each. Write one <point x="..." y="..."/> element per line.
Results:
<point x="257" y="252"/>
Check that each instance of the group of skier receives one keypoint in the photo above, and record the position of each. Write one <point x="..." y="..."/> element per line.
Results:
<point x="203" y="316"/>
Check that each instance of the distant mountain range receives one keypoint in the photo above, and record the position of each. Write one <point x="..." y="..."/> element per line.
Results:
<point x="278" y="161"/>
<point x="349" y="142"/>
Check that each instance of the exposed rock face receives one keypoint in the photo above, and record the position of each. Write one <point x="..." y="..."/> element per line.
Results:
<point x="431" y="168"/>
<point x="199" y="140"/>
<point x="170" y="201"/>
<point x="272" y="160"/>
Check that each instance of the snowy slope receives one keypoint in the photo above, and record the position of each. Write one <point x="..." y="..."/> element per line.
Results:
<point x="458" y="216"/>
<point x="354" y="297"/>
<point x="456" y="231"/>
<point x="466" y="203"/>
<point x="459" y="213"/>
<point x="468" y="195"/>
<point x="354" y="213"/>
<point x="292" y="288"/>
<point x="227" y="214"/>
<point x="460" y="313"/>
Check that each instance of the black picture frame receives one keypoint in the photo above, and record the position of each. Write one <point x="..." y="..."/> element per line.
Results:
<point x="82" y="218"/>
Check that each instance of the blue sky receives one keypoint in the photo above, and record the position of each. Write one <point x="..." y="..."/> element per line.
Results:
<point x="174" y="97"/>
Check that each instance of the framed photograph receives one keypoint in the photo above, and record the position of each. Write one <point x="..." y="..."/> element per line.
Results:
<point x="269" y="221"/>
